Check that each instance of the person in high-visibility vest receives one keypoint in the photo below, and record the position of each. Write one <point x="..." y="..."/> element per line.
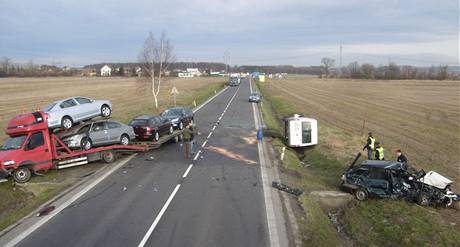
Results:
<point x="379" y="152"/>
<point x="370" y="145"/>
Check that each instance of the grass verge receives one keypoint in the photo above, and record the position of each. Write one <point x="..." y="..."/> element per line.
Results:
<point x="370" y="223"/>
<point x="19" y="201"/>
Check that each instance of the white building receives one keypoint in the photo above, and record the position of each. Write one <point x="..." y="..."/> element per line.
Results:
<point x="194" y="71"/>
<point x="184" y="74"/>
<point x="106" y="71"/>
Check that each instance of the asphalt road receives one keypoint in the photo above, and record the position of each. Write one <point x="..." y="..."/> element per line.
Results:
<point x="218" y="201"/>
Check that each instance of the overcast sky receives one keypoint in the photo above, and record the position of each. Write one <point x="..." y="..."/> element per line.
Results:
<point x="299" y="32"/>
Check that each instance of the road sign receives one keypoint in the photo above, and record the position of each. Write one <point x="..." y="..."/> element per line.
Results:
<point x="174" y="91"/>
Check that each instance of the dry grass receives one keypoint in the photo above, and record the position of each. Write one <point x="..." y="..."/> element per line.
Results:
<point x="26" y="94"/>
<point x="420" y="117"/>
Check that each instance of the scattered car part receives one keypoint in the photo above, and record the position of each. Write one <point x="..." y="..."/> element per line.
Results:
<point x="286" y="188"/>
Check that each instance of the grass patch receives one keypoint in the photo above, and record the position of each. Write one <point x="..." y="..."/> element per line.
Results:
<point x="19" y="201"/>
<point x="370" y="223"/>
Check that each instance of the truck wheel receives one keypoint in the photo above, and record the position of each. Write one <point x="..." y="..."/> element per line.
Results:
<point x="66" y="122"/>
<point x="108" y="156"/>
<point x="124" y="140"/>
<point x="86" y="144"/>
<point x="22" y="175"/>
<point x="423" y="200"/>
<point x="105" y="111"/>
<point x="360" y="194"/>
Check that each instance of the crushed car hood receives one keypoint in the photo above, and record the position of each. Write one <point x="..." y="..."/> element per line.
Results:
<point x="435" y="179"/>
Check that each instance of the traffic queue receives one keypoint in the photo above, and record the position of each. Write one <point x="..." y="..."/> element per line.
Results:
<point x="79" y="130"/>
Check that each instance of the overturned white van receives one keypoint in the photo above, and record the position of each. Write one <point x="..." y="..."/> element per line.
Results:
<point x="300" y="131"/>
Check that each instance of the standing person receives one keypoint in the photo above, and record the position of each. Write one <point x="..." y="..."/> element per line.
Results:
<point x="370" y="145"/>
<point x="401" y="157"/>
<point x="192" y="128"/>
<point x="379" y="152"/>
<point x="187" y="135"/>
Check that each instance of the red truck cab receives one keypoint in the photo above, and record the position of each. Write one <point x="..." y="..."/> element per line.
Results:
<point x="28" y="148"/>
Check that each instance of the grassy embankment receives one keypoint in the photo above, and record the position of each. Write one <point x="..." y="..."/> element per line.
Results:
<point x="370" y="223"/>
<point x="18" y="94"/>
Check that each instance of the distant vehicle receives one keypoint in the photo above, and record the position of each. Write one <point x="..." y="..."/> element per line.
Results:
<point x="233" y="82"/>
<point x="179" y="116"/>
<point x="67" y="112"/>
<point x="98" y="133"/>
<point x="149" y="128"/>
<point x="255" y="97"/>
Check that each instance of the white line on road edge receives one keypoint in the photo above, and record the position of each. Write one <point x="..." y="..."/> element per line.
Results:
<point x="204" y="143"/>
<point x="186" y="172"/>
<point x="197" y="155"/>
<point x="209" y="136"/>
<point x="157" y="219"/>
<point x="75" y="197"/>
<point x="209" y="100"/>
<point x="269" y="210"/>
<point x="163" y="210"/>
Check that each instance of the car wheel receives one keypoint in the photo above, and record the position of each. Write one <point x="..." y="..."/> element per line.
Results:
<point x="86" y="144"/>
<point x="22" y="175"/>
<point x="124" y="140"/>
<point x="108" y="156"/>
<point x="106" y="111"/>
<point x="157" y="136"/>
<point x="66" y="122"/>
<point x="423" y="200"/>
<point x="171" y="129"/>
<point x="360" y="194"/>
<point x="181" y="125"/>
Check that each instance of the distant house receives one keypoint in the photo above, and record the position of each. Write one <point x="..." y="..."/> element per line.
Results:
<point x="106" y="70"/>
<point x="139" y="71"/>
<point x="184" y="74"/>
<point x="194" y="71"/>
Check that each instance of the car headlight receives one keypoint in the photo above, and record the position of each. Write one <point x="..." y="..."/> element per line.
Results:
<point x="8" y="163"/>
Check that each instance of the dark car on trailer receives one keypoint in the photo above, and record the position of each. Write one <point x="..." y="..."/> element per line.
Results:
<point x="179" y="116"/>
<point x="151" y="128"/>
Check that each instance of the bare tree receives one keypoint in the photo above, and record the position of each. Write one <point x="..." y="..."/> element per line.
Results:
<point x="155" y="58"/>
<point x="6" y="63"/>
<point x="368" y="71"/>
<point x="327" y="64"/>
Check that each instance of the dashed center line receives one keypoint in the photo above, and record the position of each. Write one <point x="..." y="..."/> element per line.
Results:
<point x="186" y="172"/>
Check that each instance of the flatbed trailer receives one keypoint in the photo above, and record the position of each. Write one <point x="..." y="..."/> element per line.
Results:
<point x="176" y="136"/>
<point x="33" y="147"/>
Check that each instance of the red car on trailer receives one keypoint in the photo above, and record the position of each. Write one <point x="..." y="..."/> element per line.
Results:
<point x="32" y="147"/>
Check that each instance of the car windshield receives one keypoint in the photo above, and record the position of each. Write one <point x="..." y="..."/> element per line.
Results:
<point x="255" y="94"/>
<point x="171" y="112"/>
<point x="49" y="107"/>
<point x="138" y="122"/>
<point x="84" y="129"/>
<point x="14" y="142"/>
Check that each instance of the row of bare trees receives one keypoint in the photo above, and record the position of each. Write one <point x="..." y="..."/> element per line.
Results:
<point x="392" y="71"/>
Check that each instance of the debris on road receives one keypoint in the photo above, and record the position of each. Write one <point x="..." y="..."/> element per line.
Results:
<point x="150" y="158"/>
<point x="45" y="211"/>
<point x="286" y="188"/>
<point x="124" y="188"/>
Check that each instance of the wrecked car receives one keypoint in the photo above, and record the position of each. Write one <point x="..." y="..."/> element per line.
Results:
<point x="391" y="179"/>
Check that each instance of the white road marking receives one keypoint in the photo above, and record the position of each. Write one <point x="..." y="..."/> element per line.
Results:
<point x="209" y="136"/>
<point x="269" y="210"/>
<point x="75" y="197"/>
<point x="204" y="143"/>
<point x="157" y="219"/>
<point x="171" y="197"/>
<point x="186" y="172"/>
<point x="197" y="155"/>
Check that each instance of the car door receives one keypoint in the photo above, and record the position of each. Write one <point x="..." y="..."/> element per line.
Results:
<point x="70" y="108"/>
<point x="114" y="131"/>
<point x="377" y="182"/>
<point x="37" y="151"/>
<point x="86" y="107"/>
<point x="99" y="133"/>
